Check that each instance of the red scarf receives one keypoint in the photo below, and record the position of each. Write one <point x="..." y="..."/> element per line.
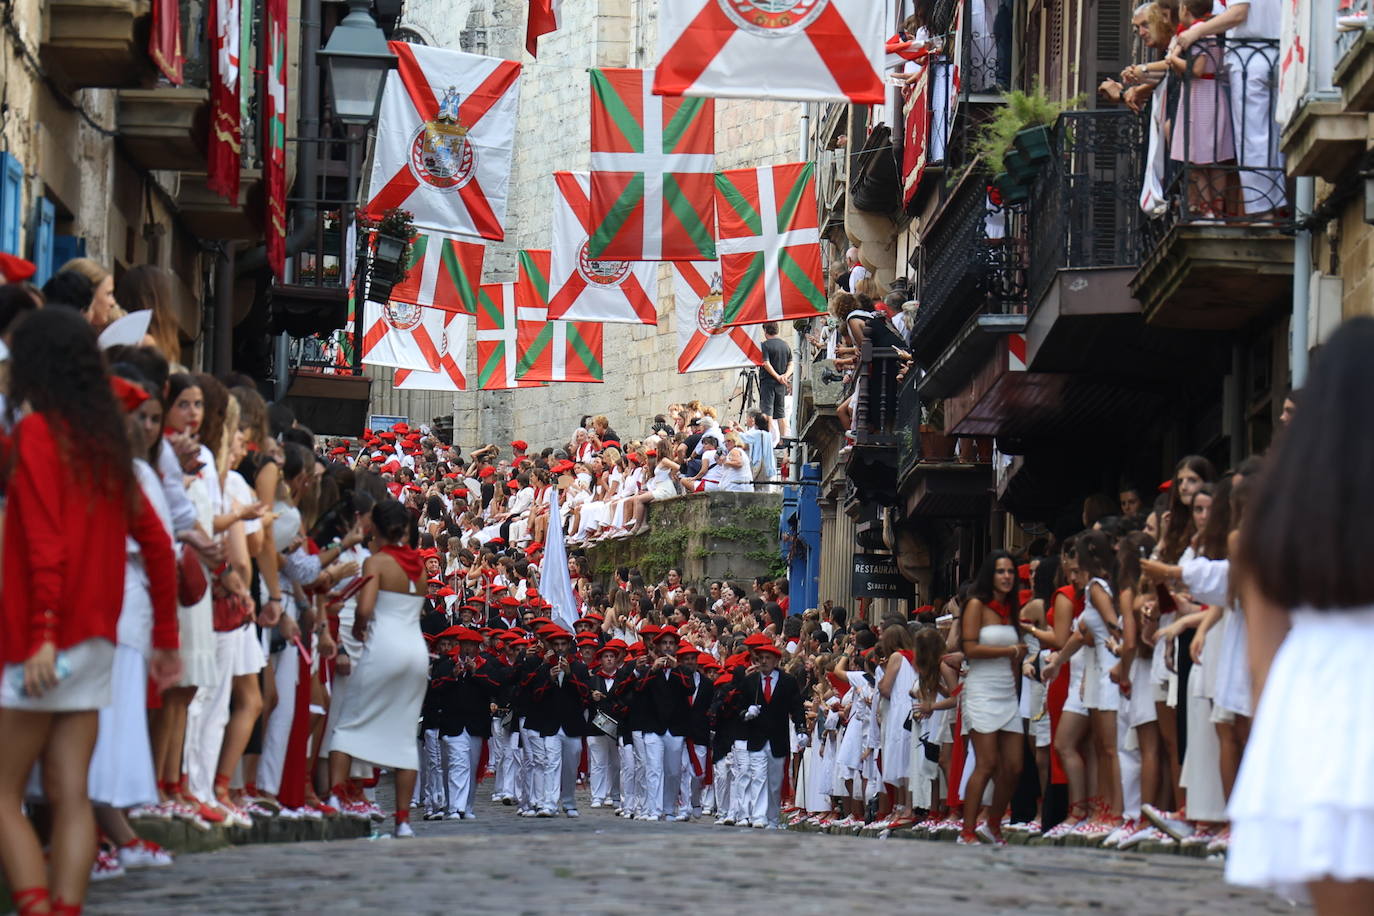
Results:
<point x="408" y="558"/>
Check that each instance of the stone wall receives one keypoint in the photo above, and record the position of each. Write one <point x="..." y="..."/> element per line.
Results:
<point x="706" y="536"/>
<point x="553" y="134"/>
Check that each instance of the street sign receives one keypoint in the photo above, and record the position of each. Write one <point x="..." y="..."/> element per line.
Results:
<point x="877" y="576"/>
<point x="377" y="423"/>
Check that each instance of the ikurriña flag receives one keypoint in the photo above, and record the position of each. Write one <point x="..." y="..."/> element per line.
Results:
<point x="769" y="244"/>
<point x="443" y="273"/>
<point x="652" y="176"/>
<point x="497" y="338"/>
<point x="551" y="351"/>
<point x="807" y="50"/>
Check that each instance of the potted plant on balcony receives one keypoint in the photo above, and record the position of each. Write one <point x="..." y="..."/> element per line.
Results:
<point x="935" y="445"/>
<point x="385" y="245"/>
<point x="1016" y="141"/>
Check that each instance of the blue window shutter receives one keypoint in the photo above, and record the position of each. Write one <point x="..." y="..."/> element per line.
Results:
<point x="66" y="247"/>
<point x="44" y="216"/>
<point x="11" y="202"/>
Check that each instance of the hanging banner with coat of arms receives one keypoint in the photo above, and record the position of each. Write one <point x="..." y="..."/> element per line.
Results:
<point x="452" y="361"/>
<point x="223" y="151"/>
<point x="804" y="50"/>
<point x="583" y="288"/>
<point x="703" y="341"/>
<point x="444" y="141"/>
<point x="403" y="335"/>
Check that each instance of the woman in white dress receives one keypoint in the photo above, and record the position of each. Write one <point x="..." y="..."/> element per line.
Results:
<point x="737" y="474"/>
<point x="991" y="637"/>
<point x="392" y="674"/>
<point x="1302" y="811"/>
<point x="896" y="676"/>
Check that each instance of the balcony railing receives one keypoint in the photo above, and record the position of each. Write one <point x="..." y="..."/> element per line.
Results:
<point x="973" y="261"/>
<point x="1086" y="198"/>
<point x="989" y="30"/>
<point x="331" y="355"/>
<point x="875" y="411"/>
<point x="1223" y="160"/>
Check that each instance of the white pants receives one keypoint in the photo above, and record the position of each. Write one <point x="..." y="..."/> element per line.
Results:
<point x="505" y="758"/>
<point x="1250" y="81"/>
<point x="277" y="731"/>
<point x="571" y="757"/>
<point x="603" y="760"/>
<point x="671" y="762"/>
<point x="722" y="776"/>
<point x="631" y="780"/>
<point x="1128" y="758"/>
<point x="464" y="753"/>
<point x="433" y="786"/>
<point x="650" y="748"/>
<point x="764" y="786"/>
<point x="206" y="719"/>
<point x="529" y="781"/>
<point x="741" y="787"/>
<point x="689" y="791"/>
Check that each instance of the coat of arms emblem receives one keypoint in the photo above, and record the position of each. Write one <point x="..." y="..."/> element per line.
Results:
<point x="773" y="18"/>
<point x="441" y="155"/>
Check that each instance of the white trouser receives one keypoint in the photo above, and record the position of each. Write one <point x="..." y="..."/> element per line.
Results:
<point x="741" y="787"/>
<point x="722" y="775"/>
<point x="651" y="757"/>
<point x="1250" y="81"/>
<point x="1129" y="760"/>
<point x="603" y="760"/>
<point x="278" y="729"/>
<point x="505" y="758"/>
<point x="642" y="794"/>
<point x="206" y="719"/>
<point x="631" y="793"/>
<point x="765" y="784"/>
<point x="464" y="753"/>
<point x="571" y="757"/>
<point x="690" y="784"/>
<point x="529" y="782"/>
<point x="671" y="761"/>
<point x="432" y="773"/>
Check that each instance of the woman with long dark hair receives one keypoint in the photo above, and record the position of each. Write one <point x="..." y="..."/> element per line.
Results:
<point x="991" y="638"/>
<point x="1302" y="812"/>
<point x="392" y="673"/>
<point x="72" y="500"/>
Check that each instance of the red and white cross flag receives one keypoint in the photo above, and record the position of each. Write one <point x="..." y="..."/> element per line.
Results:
<point x="769" y="244"/>
<point x="583" y="288"/>
<point x="402" y="335"/>
<point x="807" y="50"/>
<point x="653" y="168"/>
<point x="703" y="342"/>
<point x="444" y="141"/>
<point x="453" y="358"/>
<point x="498" y="338"/>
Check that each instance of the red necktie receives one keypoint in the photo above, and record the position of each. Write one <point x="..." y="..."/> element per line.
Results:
<point x="767" y="688"/>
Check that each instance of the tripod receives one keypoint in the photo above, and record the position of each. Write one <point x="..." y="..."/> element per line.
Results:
<point x="747" y="391"/>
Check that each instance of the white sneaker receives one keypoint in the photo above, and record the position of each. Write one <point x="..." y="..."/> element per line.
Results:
<point x="758" y="825"/>
<point x="724" y="822"/>
<point x="107" y="865"/>
<point x="571" y="812"/>
<point x="403" y="831"/>
<point x="544" y="812"/>
<point x="596" y="803"/>
<point x="681" y="818"/>
<point x="1169" y="822"/>
<point x="645" y="817"/>
<point x="142" y="854"/>
<point x="1145" y="832"/>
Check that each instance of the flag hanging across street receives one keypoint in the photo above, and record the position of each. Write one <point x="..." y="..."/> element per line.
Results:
<point x="703" y="342"/>
<point x="223" y="163"/>
<point x="545" y="17"/>
<point x="551" y="351"/>
<point x="653" y="166"/>
<point x="274" y="137"/>
<point x="806" y="50"/>
<point x="583" y="288"/>
<point x="444" y="141"/>
<point x="497" y="338"/>
<point x="453" y="357"/>
<point x="402" y="335"/>
<point x="443" y="273"/>
<point x="769" y="244"/>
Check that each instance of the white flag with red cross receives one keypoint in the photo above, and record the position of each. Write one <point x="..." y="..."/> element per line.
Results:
<point x="444" y="141"/>
<point x="806" y="50"/>
<point x="453" y="357"/>
<point x="703" y="341"/>
<point x="583" y="288"/>
<point x="402" y="335"/>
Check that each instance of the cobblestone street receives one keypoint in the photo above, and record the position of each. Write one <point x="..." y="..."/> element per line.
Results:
<point x="502" y="863"/>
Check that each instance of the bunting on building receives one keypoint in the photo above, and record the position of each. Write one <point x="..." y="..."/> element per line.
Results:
<point x="808" y="50"/>
<point x="653" y="167"/>
<point x="581" y="287"/>
<point x="551" y="351"/>
<point x="498" y="338"/>
<point x="274" y="136"/>
<point x="402" y="335"/>
<point x="444" y="141"/>
<point x="703" y="341"/>
<point x="442" y="273"/>
<point x="226" y="117"/>
<point x="769" y="243"/>
<point x="453" y="354"/>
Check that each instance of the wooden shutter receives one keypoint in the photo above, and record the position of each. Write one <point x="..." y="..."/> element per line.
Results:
<point x="1109" y="30"/>
<point x="11" y="202"/>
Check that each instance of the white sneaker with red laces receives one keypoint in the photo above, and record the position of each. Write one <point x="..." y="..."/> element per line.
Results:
<point x="107" y="865"/>
<point x="139" y="853"/>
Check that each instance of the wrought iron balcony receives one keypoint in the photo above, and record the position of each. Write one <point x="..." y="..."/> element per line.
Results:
<point x="325" y="355"/>
<point x="879" y="434"/>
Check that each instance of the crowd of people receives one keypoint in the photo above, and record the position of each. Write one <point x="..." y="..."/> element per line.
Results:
<point x="211" y="614"/>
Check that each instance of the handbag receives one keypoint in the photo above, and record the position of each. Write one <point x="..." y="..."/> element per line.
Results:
<point x="230" y="610"/>
<point x="191" y="581"/>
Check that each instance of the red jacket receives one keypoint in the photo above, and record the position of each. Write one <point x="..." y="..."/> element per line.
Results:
<point x="65" y="551"/>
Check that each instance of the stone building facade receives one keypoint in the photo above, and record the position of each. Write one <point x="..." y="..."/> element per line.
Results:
<point x="641" y="377"/>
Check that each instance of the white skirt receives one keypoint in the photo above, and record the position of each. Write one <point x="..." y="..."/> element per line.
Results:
<point x="122" y="774"/>
<point x="245" y="653"/>
<point x="1233" y="665"/>
<point x="1303" y="804"/>
<point x="197" y="625"/>
<point x="86" y="686"/>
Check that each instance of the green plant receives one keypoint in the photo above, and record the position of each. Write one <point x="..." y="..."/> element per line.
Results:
<point x="1022" y="110"/>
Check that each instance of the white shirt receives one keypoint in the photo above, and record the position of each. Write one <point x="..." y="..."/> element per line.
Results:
<point x="857" y="276"/>
<point x="1264" y="20"/>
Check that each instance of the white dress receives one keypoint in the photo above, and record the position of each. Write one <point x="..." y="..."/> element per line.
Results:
<point x="737" y="479"/>
<point x="896" y="741"/>
<point x="199" y="668"/>
<point x="990" y="686"/>
<point x="1303" y="804"/>
<point x="388" y="686"/>
<point x="1102" y="693"/>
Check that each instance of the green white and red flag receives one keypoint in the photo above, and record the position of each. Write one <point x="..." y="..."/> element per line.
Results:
<point x="453" y="357"/>
<point x="652" y="171"/>
<point x="769" y="244"/>
<point x="551" y="351"/>
<point x="584" y="288"/>
<point x="274" y="139"/>
<point x="443" y="273"/>
<point x="497" y="339"/>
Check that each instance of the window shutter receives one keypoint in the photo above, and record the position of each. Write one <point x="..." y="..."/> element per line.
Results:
<point x="11" y="202"/>
<point x="66" y="247"/>
<point x="44" y="216"/>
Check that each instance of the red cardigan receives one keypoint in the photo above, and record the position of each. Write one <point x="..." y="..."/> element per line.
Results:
<point x="64" y="555"/>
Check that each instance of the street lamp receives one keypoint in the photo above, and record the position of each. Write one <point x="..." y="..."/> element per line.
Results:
<point x="359" y="61"/>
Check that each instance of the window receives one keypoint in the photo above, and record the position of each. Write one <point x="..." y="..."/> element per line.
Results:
<point x="11" y="202"/>
<point x="41" y="236"/>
